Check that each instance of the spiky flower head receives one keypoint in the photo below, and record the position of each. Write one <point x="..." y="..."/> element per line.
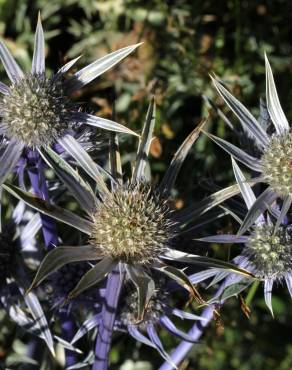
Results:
<point x="133" y="225"/>
<point x="274" y="164"/>
<point x="156" y="307"/>
<point x="37" y="110"/>
<point x="270" y="252"/>
<point x="277" y="163"/>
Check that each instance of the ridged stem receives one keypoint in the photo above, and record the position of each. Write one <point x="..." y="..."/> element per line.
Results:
<point x="109" y="310"/>
<point x="39" y="185"/>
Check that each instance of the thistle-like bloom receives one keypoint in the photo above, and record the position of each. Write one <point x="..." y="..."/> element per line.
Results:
<point x="130" y="226"/>
<point x="275" y="162"/>
<point x="267" y="250"/>
<point x="37" y="111"/>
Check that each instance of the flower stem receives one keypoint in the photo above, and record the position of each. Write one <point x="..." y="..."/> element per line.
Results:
<point x="109" y="310"/>
<point x="39" y="185"/>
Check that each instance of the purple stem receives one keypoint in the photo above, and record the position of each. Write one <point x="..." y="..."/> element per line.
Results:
<point x="49" y="229"/>
<point x="39" y="185"/>
<point x="181" y="351"/>
<point x="109" y="310"/>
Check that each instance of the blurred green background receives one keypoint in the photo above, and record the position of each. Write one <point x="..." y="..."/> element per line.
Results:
<point x="184" y="41"/>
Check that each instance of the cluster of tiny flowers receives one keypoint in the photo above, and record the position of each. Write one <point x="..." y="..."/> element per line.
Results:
<point x="270" y="252"/>
<point x="36" y="110"/>
<point x="132" y="224"/>
<point x="277" y="164"/>
<point x="156" y="308"/>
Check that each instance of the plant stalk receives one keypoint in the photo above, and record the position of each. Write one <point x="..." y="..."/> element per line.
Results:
<point x="109" y="310"/>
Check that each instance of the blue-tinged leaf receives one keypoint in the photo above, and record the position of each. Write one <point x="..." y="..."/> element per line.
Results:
<point x="144" y="144"/>
<point x="196" y="210"/>
<point x="61" y="256"/>
<point x="175" y="255"/>
<point x="136" y="334"/>
<point x="187" y="315"/>
<point x="95" y="69"/>
<point x="40" y="319"/>
<point x="180" y="278"/>
<point x="102" y="123"/>
<point x="288" y="280"/>
<point x="88" y="325"/>
<point x="259" y="206"/>
<point x="169" y="325"/>
<point x="93" y="276"/>
<point x="78" y="188"/>
<point x="67" y="66"/>
<point x="245" y="117"/>
<point x="237" y="153"/>
<point x="268" y="287"/>
<point x="12" y="69"/>
<point x="51" y="210"/>
<point x="67" y="345"/>
<point x="115" y="159"/>
<point x="224" y="238"/>
<point x="178" y="159"/>
<point x="9" y="159"/>
<point x="4" y="89"/>
<point x="245" y="188"/>
<point x="30" y="230"/>
<point x="203" y="275"/>
<point x="273" y="104"/>
<point x="38" y="60"/>
<point x="84" y="160"/>
<point x="158" y="345"/>
<point x="287" y="201"/>
<point x="145" y="288"/>
<point x="231" y="291"/>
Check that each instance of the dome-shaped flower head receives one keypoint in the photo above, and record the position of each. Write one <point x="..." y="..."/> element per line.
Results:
<point x="274" y="164"/>
<point x="130" y="225"/>
<point x="37" y="111"/>
<point x="267" y="250"/>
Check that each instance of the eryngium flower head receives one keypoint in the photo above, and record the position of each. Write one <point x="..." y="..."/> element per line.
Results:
<point x="277" y="163"/>
<point x="37" y="110"/>
<point x="275" y="150"/>
<point x="270" y="252"/>
<point x="133" y="225"/>
<point x="130" y="227"/>
<point x="267" y="250"/>
<point x="156" y="308"/>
